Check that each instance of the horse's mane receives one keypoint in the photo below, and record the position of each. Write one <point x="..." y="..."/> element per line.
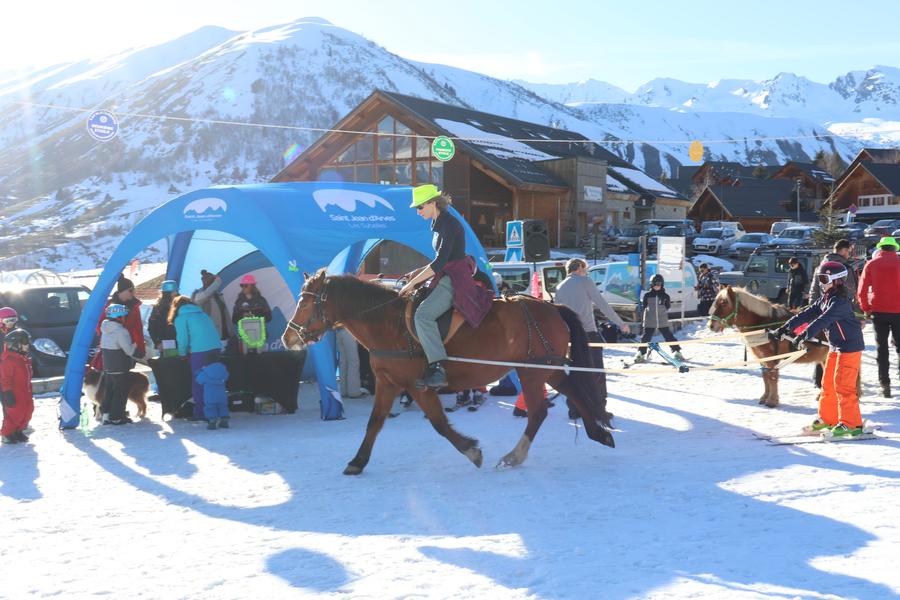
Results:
<point x="359" y="297"/>
<point x="760" y="306"/>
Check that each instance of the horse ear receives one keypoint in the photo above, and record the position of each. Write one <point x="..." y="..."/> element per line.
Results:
<point x="305" y="276"/>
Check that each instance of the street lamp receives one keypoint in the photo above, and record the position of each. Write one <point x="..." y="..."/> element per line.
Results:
<point x="798" y="198"/>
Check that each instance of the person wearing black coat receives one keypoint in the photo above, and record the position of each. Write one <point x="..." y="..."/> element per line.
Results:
<point x="798" y="283"/>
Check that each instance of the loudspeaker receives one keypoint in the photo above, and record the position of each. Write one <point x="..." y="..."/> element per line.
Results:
<point x="535" y="240"/>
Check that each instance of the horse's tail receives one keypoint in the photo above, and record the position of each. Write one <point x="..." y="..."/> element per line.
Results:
<point x="585" y="382"/>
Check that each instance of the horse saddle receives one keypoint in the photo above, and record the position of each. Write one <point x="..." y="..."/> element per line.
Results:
<point x="448" y="323"/>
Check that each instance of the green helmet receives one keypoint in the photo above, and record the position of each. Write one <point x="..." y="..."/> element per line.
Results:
<point x="424" y="193"/>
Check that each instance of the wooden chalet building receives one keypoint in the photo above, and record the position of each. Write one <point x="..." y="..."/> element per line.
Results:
<point x="815" y="183"/>
<point x="872" y="184"/>
<point x="756" y="204"/>
<point x="503" y="168"/>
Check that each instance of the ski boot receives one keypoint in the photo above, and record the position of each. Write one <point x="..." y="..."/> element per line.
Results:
<point x="843" y="431"/>
<point x="639" y="358"/>
<point x="816" y="426"/>
<point x="211" y="424"/>
<point x="223" y="423"/>
<point x="678" y="356"/>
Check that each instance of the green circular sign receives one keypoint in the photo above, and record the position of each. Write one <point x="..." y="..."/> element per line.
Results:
<point x="442" y="148"/>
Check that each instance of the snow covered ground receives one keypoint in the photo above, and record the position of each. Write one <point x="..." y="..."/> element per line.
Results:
<point x="689" y="503"/>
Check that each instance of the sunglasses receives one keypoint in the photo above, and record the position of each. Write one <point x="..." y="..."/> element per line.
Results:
<point x="421" y="207"/>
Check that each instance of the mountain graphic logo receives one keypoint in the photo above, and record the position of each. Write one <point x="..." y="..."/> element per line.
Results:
<point x="348" y="200"/>
<point x="205" y="208"/>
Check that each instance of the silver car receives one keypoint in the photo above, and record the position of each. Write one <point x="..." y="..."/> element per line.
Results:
<point x="714" y="241"/>
<point x="745" y="246"/>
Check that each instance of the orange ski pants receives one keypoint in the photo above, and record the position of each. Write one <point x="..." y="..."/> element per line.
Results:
<point x="838" y="401"/>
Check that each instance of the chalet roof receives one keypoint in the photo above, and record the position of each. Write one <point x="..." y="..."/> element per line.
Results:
<point x="811" y="170"/>
<point x="762" y="198"/>
<point x="886" y="174"/>
<point x="517" y="148"/>
<point x="883" y="155"/>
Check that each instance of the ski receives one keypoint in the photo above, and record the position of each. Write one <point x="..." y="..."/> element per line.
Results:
<point x="818" y="439"/>
<point x="682" y="368"/>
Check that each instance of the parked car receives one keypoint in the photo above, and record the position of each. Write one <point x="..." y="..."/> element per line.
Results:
<point x="854" y="234"/>
<point x="49" y="313"/>
<point x="766" y="272"/>
<point x="714" y="241"/>
<point x="780" y="226"/>
<point x="732" y="225"/>
<point x="745" y="246"/>
<point x="796" y="237"/>
<point x="628" y="241"/>
<point x="619" y="283"/>
<point x="880" y="228"/>
<point x="686" y="231"/>
<point x="519" y="275"/>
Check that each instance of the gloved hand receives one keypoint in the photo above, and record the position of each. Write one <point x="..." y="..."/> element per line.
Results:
<point x="9" y="399"/>
<point x="780" y="332"/>
<point x="801" y="340"/>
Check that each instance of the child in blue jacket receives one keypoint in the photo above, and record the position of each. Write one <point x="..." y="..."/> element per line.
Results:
<point x="215" y="399"/>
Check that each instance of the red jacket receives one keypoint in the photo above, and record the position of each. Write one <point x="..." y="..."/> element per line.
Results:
<point x="879" y="285"/>
<point x="15" y="375"/>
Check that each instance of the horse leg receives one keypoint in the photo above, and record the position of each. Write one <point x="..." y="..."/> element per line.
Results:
<point x="565" y="386"/>
<point x="533" y="390"/>
<point x="772" y="376"/>
<point x="765" y="397"/>
<point x="430" y="404"/>
<point x="384" y="398"/>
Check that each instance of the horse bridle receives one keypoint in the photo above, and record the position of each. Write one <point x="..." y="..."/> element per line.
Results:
<point x="731" y="315"/>
<point x="318" y="314"/>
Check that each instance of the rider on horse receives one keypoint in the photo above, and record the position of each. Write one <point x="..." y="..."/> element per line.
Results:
<point x="449" y="242"/>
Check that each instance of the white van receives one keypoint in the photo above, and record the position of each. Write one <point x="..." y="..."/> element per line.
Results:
<point x="519" y="274"/>
<point x="619" y="282"/>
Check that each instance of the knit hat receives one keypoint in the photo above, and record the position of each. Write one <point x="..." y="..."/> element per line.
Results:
<point x="888" y="243"/>
<point x="169" y="285"/>
<point x="206" y="277"/>
<point x="124" y="284"/>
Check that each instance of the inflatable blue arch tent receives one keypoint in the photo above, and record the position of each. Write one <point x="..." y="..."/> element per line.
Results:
<point x="297" y="226"/>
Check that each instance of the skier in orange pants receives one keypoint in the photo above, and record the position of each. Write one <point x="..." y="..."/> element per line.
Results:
<point x="833" y="313"/>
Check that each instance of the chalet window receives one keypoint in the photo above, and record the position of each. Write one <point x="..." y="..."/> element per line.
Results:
<point x="386" y="174"/>
<point x="403" y="144"/>
<point x="423" y="147"/>
<point x="437" y="174"/>
<point x="364" y="148"/>
<point x="422" y="174"/>
<point x="893" y="200"/>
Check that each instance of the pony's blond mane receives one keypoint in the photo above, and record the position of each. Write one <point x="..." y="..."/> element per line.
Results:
<point x="758" y="305"/>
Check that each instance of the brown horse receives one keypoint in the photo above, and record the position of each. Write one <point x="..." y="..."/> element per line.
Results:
<point x="518" y="329"/>
<point x="748" y="313"/>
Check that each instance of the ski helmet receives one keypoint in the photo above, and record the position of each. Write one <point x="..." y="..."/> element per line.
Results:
<point x="8" y="317"/>
<point x="832" y="271"/>
<point x="657" y="280"/>
<point x="169" y="285"/>
<point x="116" y="311"/>
<point x="18" y="340"/>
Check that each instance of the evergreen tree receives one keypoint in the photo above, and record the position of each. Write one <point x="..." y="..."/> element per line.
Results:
<point x="760" y="172"/>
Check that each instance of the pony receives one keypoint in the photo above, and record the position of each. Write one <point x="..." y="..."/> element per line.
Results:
<point x="736" y="307"/>
<point x="517" y="329"/>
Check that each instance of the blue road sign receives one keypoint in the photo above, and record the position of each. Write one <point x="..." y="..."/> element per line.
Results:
<point x="514" y="234"/>
<point x="513" y="255"/>
<point x="102" y="125"/>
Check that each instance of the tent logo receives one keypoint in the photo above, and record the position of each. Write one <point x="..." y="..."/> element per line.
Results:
<point x="205" y="208"/>
<point x="348" y="200"/>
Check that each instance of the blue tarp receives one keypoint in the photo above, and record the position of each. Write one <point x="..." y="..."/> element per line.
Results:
<point x="297" y="226"/>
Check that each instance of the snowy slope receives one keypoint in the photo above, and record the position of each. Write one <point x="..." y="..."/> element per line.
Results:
<point x="688" y="504"/>
<point x="70" y="195"/>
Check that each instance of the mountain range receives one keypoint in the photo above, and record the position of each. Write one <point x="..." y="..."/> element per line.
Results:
<point x="218" y="106"/>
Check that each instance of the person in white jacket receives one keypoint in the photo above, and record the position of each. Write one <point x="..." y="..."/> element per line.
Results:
<point x="119" y="353"/>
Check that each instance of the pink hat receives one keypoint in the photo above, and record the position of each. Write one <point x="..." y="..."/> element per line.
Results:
<point x="248" y="280"/>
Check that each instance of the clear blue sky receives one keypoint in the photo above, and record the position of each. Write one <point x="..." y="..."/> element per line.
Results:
<point x="624" y="43"/>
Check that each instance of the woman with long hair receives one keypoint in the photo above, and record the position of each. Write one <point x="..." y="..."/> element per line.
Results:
<point x="198" y="340"/>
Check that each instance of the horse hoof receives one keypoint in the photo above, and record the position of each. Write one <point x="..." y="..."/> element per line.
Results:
<point x="606" y="439"/>
<point x="474" y="454"/>
<point x="772" y="404"/>
<point x="353" y="470"/>
<point x="506" y="464"/>
<point x="762" y="400"/>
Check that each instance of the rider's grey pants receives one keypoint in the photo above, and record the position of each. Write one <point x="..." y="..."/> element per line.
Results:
<point x="438" y="302"/>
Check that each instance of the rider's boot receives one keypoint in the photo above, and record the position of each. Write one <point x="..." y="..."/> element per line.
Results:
<point x="435" y="377"/>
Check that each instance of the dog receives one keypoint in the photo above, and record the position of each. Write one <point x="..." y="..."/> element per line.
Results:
<point x="138" y="386"/>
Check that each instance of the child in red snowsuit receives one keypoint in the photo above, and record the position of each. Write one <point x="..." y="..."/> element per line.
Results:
<point x="15" y="387"/>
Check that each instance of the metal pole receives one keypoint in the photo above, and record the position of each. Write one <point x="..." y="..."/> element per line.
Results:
<point x="798" y="200"/>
